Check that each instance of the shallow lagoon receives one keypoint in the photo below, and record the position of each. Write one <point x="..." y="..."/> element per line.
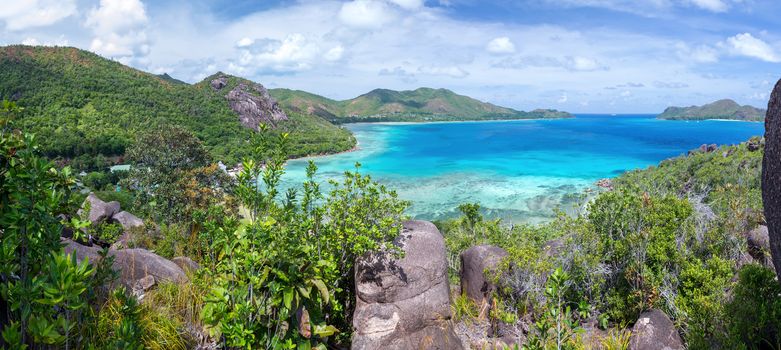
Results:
<point x="519" y="171"/>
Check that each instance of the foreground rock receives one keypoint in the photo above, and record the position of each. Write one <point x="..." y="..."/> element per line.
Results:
<point x="478" y="263"/>
<point x="405" y="303"/>
<point x="133" y="265"/>
<point x="771" y="175"/>
<point x="654" y="331"/>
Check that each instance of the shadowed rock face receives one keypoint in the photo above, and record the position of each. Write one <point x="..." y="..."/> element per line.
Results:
<point x="405" y="303"/>
<point x="654" y="331"/>
<point x="475" y="263"/>
<point x="771" y="175"/>
<point x="252" y="102"/>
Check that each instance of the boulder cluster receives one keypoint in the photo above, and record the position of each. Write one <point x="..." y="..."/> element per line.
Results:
<point x="138" y="269"/>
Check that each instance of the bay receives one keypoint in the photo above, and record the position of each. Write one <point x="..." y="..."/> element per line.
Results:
<point x="519" y="171"/>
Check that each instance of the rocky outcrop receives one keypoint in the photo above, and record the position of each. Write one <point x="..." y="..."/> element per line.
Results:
<point x="477" y="264"/>
<point x="654" y="331"/>
<point x="404" y="303"/>
<point x="251" y="101"/>
<point x="771" y="175"/>
<point x="99" y="211"/>
<point x="132" y="264"/>
<point x="127" y="220"/>
<point x="187" y="264"/>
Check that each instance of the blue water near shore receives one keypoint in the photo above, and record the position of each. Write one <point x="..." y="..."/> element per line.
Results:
<point x="519" y="171"/>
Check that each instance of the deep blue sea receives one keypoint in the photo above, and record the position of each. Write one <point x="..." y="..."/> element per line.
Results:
<point x="519" y="171"/>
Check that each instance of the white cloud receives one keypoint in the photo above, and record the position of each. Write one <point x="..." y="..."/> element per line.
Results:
<point x="580" y="63"/>
<point x="244" y="42"/>
<point x="335" y="53"/>
<point x="119" y="29"/>
<point x="366" y="13"/>
<point x="747" y="45"/>
<point x="292" y="54"/>
<point x="563" y="98"/>
<point x="501" y="45"/>
<point x="23" y="14"/>
<point x="711" y="5"/>
<point x="61" y="41"/>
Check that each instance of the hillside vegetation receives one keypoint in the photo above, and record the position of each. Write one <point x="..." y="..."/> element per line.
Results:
<point x="721" y="109"/>
<point x="423" y="104"/>
<point x="88" y="109"/>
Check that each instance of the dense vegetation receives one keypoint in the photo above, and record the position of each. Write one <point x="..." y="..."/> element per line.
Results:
<point x="423" y="104"/>
<point x="278" y="268"/>
<point x="90" y="109"/>
<point x="721" y="109"/>
<point x="670" y="237"/>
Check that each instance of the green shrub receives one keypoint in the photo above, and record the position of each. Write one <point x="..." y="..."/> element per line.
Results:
<point x="754" y="315"/>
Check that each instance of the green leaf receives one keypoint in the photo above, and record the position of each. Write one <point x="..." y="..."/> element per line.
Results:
<point x="288" y="297"/>
<point x="322" y="288"/>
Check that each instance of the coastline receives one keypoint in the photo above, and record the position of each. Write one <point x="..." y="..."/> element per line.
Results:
<point x="315" y="156"/>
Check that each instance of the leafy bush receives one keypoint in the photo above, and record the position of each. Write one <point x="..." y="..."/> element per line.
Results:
<point x="754" y="314"/>
<point x="287" y="262"/>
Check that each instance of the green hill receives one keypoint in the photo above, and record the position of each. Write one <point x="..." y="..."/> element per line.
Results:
<point x="86" y="109"/>
<point x="721" y="109"/>
<point x="423" y="104"/>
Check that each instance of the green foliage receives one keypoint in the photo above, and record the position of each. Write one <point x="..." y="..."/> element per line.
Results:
<point x="171" y="174"/>
<point x="124" y="323"/>
<point x="558" y="326"/>
<point x="754" y="314"/>
<point x="90" y="109"/>
<point x="286" y="258"/>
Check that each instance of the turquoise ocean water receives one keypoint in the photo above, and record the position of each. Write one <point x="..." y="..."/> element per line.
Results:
<point x="517" y="170"/>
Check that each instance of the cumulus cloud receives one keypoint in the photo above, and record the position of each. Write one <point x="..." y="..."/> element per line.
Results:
<point x="367" y="13"/>
<point x="294" y="53"/>
<point x="119" y="28"/>
<point x="61" y="41"/>
<point x="24" y="14"/>
<point x="244" y="42"/>
<point x="501" y="45"/>
<point x="745" y="44"/>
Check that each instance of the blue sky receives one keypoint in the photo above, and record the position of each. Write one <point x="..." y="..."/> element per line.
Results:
<point x="587" y="56"/>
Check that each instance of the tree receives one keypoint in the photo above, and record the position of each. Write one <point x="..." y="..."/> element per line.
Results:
<point x="171" y="171"/>
<point x="771" y="175"/>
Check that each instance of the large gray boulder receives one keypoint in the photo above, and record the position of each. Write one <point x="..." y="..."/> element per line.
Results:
<point x="132" y="264"/>
<point x="654" y="331"/>
<point x="771" y="175"/>
<point x="405" y="303"/>
<point x="99" y="211"/>
<point x="127" y="220"/>
<point x="477" y="265"/>
<point x="135" y="264"/>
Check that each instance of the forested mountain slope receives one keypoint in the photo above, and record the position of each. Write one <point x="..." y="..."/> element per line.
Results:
<point x="86" y="109"/>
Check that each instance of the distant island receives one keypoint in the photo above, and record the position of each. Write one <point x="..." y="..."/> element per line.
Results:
<point x="721" y="109"/>
<point x="419" y="105"/>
